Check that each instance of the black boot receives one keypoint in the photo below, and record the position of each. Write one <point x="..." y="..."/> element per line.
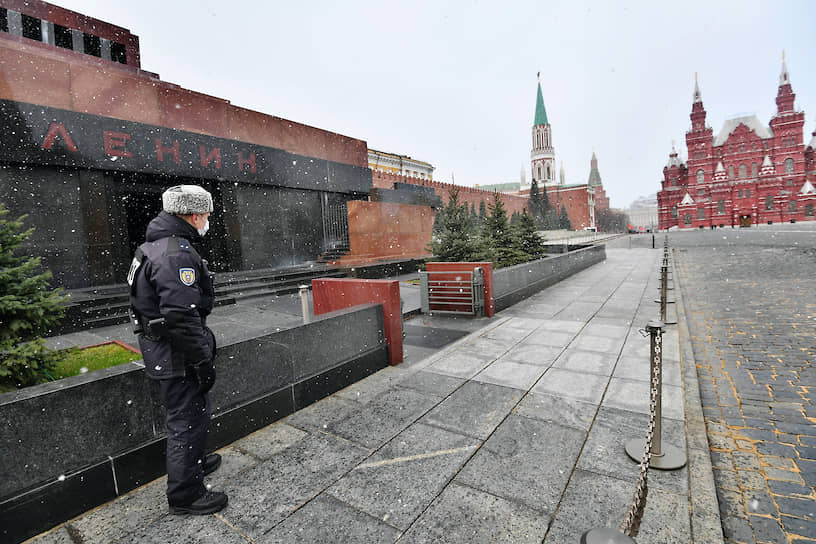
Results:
<point x="211" y="463"/>
<point x="208" y="503"/>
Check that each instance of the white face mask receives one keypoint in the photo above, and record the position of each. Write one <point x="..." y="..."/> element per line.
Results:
<point x="203" y="231"/>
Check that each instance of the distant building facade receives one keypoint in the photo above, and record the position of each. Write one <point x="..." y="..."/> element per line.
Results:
<point x="749" y="173"/>
<point x="401" y="165"/>
<point x="642" y="213"/>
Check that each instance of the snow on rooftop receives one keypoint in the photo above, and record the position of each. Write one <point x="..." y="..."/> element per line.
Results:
<point x="750" y="121"/>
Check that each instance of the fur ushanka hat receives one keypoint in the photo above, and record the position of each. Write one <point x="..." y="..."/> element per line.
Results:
<point x="186" y="200"/>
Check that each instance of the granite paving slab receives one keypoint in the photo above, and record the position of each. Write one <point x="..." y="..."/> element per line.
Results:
<point x="490" y="346"/>
<point x="186" y="530"/>
<point x="399" y="481"/>
<point x="557" y="325"/>
<point x="547" y="337"/>
<point x="638" y="369"/>
<point x="510" y="374"/>
<point x="60" y="535"/>
<point x="604" y="344"/>
<point x="318" y="416"/>
<point x="233" y="462"/>
<point x="431" y="383"/>
<point x="588" y="362"/>
<point x="376" y="422"/>
<point x="431" y="337"/>
<point x="532" y="354"/>
<point x="557" y="409"/>
<point x="596" y="501"/>
<point x="461" y="364"/>
<point x="525" y="460"/>
<point x="464" y="514"/>
<point x="374" y="385"/>
<point x="124" y="515"/>
<point x="604" y="451"/>
<point x="633" y="395"/>
<point x="265" y="495"/>
<point x="598" y="328"/>
<point x="327" y="519"/>
<point x="475" y="409"/>
<point x="270" y="440"/>
<point x="578" y="311"/>
<point x="577" y="385"/>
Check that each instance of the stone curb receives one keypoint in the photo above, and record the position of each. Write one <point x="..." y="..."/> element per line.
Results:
<point x="706" y="526"/>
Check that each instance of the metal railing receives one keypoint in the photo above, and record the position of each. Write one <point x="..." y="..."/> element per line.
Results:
<point x="457" y="292"/>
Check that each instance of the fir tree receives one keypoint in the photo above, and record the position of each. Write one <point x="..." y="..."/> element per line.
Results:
<point x="28" y="308"/>
<point x="526" y="238"/>
<point x="455" y="241"/>
<point x="474" y="217"/>
<point x="515" y="218"/>
<point x="497" y="236"/>
<point x="537" y="205"/>
<point x="482" y="211"/>
<point x="563" y="219"/>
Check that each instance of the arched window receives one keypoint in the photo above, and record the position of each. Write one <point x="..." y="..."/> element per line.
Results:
<point x="743" y="171"/>
<point x="789" y="166"/>
<point x="731" y="172"/>
<point x="769" y="203"/>
<point x="674" y="212"/>
<point x="753" y="169"/>
<point x="687" y="219"/>
<point x="548" y="172"/>
<point x="721" y="207"/>
<point x="792" y="206"/>
<point x="539" y="173"/>
<point x="700" y="175"/>
<point x="701" y="213"/>
<point x="809" y="210"/>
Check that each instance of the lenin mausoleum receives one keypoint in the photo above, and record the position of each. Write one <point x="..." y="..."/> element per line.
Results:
<point x="747" y="174"/>
<point x="89" y="140"/>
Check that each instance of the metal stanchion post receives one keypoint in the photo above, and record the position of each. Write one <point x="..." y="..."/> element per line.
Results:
<point x="654" y="452"/>
<point x="304" y="303"/>
<point x="663" y="456"/>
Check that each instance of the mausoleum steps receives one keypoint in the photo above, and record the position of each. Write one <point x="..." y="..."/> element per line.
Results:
<point x="106" y="305"/>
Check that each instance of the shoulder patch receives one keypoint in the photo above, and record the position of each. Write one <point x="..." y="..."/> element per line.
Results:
<point x="187" y="276"/>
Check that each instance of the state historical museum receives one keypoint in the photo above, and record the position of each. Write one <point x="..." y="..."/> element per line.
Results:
<point x="748" y="174"/>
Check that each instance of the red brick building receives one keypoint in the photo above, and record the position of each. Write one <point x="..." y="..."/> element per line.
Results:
<point x="748" y="174"/>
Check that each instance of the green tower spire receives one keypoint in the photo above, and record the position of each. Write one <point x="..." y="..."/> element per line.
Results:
<point x="541" y="113"/>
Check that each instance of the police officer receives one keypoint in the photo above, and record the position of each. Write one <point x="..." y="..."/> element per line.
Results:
<point x="171" y="294"/>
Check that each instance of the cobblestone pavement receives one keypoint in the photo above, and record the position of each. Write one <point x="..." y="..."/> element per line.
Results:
<point x="750" y="301"/>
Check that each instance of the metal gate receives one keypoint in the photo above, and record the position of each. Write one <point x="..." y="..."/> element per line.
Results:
<point x="452" y="292"/>
<point x="335" y="225"/>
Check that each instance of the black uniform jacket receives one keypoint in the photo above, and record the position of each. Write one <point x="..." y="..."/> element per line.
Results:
<point x="173" y="282"/>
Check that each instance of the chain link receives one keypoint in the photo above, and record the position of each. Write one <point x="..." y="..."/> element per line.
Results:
<point x="631" y="523"/>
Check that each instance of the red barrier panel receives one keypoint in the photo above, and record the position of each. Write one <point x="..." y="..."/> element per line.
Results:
<point x="453" y="277"/>
<point x="332" y="294"/>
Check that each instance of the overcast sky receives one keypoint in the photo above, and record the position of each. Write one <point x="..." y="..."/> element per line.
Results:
<point x="454" y="83"/>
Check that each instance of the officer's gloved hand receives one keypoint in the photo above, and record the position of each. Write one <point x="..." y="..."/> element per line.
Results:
<point x="205" y="374"/>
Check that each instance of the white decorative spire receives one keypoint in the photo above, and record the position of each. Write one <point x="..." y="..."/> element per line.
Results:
<point x="767" y="167"/>
<point x="687" y="200"/>
<point x="807" y="189"/>
<point x="697" y="96"/>
<point x="784" y="77"/>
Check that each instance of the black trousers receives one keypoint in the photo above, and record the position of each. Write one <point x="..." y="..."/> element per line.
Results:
<point x="188" y="420"/>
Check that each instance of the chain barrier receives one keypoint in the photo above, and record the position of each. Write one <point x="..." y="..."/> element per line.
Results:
<point x="631" y="523"/>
